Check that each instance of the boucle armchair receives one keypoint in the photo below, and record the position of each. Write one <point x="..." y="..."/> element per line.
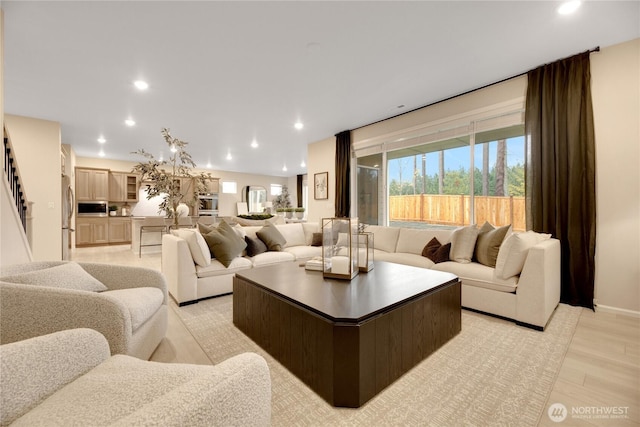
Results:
<point x="128" y="305"/>
<point x="68" y="378"/>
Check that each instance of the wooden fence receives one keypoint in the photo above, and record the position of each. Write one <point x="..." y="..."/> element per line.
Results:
<point x="456" y="210"/>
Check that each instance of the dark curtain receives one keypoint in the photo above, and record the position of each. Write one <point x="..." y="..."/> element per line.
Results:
<point x="299" y="190"/>
<point x="560" y="180"/>
<point x="343" y="171"/>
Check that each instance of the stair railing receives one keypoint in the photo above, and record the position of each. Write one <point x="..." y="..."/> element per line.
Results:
<point x="12" y="174"/>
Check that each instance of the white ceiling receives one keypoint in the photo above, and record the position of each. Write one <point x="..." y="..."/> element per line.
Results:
<point x="224" y="73"/>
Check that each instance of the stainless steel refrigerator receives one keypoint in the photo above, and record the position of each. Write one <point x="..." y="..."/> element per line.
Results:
<point x="68" y="208"/>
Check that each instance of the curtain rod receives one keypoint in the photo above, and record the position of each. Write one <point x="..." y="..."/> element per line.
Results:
<point x="595" y="49"/>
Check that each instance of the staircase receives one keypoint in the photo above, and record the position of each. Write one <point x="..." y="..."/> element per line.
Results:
<point x="15" y="215"/>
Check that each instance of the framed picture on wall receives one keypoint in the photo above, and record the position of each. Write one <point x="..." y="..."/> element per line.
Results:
<point x="321" y="185"/>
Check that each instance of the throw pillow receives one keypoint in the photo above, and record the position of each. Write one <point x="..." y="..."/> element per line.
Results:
<point x="436" y="251"/>
<point x="488" y="244"/>
<point x="255" y="246"/>
<point x="69" y="275"/>
<point x="224" y="243"/>
<point x="463" y="242"/>
<point x="271" y="237"/>
<point x="514" y="251"/>
<point x="240" y="231"/>
<point x="206" y="228"/>
<point x="316" y="239"/>
<point x="197" y="245"/>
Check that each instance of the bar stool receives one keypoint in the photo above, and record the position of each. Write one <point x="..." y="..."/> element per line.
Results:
<point x="152" y="225"/>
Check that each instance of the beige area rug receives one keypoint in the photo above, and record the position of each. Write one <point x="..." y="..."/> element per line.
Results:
<point x="492" y="373"/>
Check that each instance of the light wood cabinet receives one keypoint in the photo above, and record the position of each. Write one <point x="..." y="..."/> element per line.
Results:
<point x="92" y="184"/>
<point x="213" y="186"/>
<point x="123" y="187"/>
<point x="92" y="231"/>
<point x="119" y="230"/>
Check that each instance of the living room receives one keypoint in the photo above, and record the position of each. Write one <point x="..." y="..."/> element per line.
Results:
<point x="614" y="72"/>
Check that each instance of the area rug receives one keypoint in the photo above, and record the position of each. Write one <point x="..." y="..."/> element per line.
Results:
<point x="492" y="373"/>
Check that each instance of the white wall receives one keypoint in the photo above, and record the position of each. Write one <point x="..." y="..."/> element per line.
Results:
<point x="321" y="157"/>
<point x="36" y="144"/>
<point x="615" y="87"/>
<point x="227" y="201"/>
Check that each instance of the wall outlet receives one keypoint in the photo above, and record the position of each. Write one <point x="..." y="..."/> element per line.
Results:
<point x="51" y="205"/>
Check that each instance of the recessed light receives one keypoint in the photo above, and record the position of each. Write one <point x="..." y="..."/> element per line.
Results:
<point x="141" y="84"/>
<point x="130" y="122"/>
<point x="567" y="8"/>
<point x="254" y="144"/>
<point x="303" y="164"/>
<point x="101" y="140"/>
<point x="284" y="168"/>
<point x="101" y="153"/>
<point x="173" y="148"/>
<point x="208" y="165"/>
<point x="298" y="125"/>
<point x="229" y="156"/>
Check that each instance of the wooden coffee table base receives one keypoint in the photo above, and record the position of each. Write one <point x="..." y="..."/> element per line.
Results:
<point x="347" y="363"/>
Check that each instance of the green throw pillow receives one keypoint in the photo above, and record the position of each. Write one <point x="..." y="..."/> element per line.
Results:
<point x="488" y="244"/>
<point x="271" y="237"/>
<point x="224" y="243"/>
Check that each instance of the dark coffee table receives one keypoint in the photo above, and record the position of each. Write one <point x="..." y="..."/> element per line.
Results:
<point x="347" y="340"/>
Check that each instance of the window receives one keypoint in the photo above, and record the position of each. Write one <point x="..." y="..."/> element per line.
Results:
<point x="276" y="189"/>
<point x="229" y="187"/>
<point x="474" y="174"/>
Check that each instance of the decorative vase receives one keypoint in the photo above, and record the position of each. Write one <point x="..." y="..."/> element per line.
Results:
<point x="182" y="210"/>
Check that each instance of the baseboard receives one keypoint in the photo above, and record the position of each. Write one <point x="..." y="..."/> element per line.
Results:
<point x="617" y="310"/>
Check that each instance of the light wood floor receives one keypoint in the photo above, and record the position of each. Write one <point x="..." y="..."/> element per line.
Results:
<point x="600" y="372"/>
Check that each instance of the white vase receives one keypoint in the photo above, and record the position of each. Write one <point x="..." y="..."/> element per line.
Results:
<point x="182" y="210"/>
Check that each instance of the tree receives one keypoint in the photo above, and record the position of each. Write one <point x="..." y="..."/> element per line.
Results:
<point x="167" y="183"/>
<point x="283" y="199"/>
<point x="485" y="169"/>
<point x="500" y="164"/>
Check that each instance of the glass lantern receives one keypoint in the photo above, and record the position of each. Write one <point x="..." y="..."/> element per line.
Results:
<point x="340" y="248"/>
<point x="365" y="251"/>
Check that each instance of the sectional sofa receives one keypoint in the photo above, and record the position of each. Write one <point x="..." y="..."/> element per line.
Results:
<point x="523" y="286"/>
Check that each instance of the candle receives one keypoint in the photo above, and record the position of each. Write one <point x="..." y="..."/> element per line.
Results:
<point x="340" y="265"/>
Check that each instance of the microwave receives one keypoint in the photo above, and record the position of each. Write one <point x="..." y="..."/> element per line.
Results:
<point x="93" y="209"/>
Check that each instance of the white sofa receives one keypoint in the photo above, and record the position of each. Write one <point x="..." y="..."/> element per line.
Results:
<point x="529" y="298"/>
<point x="69" y="378"/>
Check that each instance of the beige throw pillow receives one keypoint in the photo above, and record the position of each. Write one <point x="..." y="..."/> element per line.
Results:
<point x="463" y="243"/>
<point x="514" y="251"/>
<point x="69" y="275"/>
<point x="488" y="244"/>
<point x="197" y="245"/>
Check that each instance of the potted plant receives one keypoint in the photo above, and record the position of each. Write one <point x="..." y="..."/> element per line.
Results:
<point x="289" y="212"/>
<point x="167" y="183"/>
<point x="299" y="212"/>
<point x="281" y="211"/>
<point x="112" y="210"/>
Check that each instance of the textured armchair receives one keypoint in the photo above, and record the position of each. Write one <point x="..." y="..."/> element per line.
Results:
<point x="68" y="378"/>
<point x="128" y="305"/>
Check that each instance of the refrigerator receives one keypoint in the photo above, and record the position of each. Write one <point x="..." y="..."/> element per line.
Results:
<point x="68" y="208"/>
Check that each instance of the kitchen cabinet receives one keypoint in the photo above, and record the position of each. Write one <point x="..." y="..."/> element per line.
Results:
<point x="123" y="187"/>
<point x="92" y="231"/>
<point x="92" y="184"/>
<point x="120" y="230"/>
<point x="213" y="186"/>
